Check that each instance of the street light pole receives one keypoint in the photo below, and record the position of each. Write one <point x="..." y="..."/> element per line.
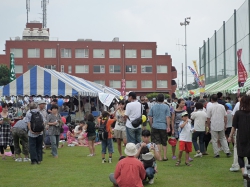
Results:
<point x="185" y="23"/>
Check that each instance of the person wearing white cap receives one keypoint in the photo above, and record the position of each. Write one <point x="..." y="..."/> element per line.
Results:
<point x="130" y="171"/>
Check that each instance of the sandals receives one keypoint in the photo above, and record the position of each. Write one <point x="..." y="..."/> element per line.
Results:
<point x="188" y="164"/>
<point x="165" y="159"/>
<point x="178" y="163"/>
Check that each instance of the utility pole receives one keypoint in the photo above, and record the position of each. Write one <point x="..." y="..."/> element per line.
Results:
<point x="182" y="77"/>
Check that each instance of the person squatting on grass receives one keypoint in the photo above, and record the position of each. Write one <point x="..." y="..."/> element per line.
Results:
<point x="108" y="143"/>
<point x="91" y="134"/>
<point x="185" y="143"/>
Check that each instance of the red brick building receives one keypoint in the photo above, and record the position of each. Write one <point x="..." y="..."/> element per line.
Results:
<point x="105" y="62"/>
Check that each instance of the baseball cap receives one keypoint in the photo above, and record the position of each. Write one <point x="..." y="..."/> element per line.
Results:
<point x="184" y="114"/>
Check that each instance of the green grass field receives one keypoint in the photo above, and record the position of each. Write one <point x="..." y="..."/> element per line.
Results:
<point x="74" y="168"/>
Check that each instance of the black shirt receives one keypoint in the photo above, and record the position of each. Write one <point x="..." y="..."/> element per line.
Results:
<point x="90" y="128"/>
<point x="145" y="108"/>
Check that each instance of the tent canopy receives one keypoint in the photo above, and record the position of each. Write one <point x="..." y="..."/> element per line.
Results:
<point x="41" y="81"/>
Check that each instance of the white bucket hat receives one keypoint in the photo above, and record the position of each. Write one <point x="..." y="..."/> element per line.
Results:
<point x="130" y="149"/>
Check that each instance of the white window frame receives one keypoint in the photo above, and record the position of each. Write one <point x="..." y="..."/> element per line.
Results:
<point x="134" y="69"/>
<point x="112" y="68"/>
<point x="113" y="53"/>
<point x="18" y="68"/>
<point x="160" y="67"/>
<point x="53" y="67"/>
<point x="102" y="82"/>
<point x="81" y="53"/>
<point x="18" y="53"/>
<point x="98" y="53"/>
<point x="81" y="69"/>
<point x="159" y="82"/>
<point x="102" y="69"/>
<point x="52" y="53"/>
<point x="130" y="53"/>
<point x="134" y="83"/>
<point x="146" y="53"/>
<point x="143" y="68"/>
<point x="36" y="51"/>
<point x="115" y="82"/>
<point x="62" y="68"/>
<point x="69" y="69"/>
<point x="144" y="84"/>
<point x="66" y="51"/>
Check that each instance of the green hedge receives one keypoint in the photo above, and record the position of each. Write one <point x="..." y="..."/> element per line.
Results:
<point x="154" y="95"/>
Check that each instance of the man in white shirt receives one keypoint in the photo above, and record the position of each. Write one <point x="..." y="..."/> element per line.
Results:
<point x="216" y="113"/>
<point x="133" y="111"/>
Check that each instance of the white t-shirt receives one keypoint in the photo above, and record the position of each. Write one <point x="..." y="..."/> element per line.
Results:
<point x="133" y="111"/>
<point x="236" y="108"/>
<point x="200" y="118"/>
<point x="229" y="118"/>
<point x="185" y="132"/>
<point x="208" y="105"/>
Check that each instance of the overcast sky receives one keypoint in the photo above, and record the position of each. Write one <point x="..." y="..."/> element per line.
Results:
<point x="130" y="20"/>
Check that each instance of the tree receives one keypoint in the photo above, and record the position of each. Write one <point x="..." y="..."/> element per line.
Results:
<point x="4" y="75"/>
<point x="154" y="95"/>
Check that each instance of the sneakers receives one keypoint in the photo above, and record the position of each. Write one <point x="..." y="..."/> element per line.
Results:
<point x="217" y="156"/>
<point x="198" y="154"/>
<point x="26" y="160"/>
<point x="228" y="154"/>
<point x="90" y="155"/>
<point x="174" y="157"/>
<point x="110" y="160"/>
<point x="19" y="160"/>
<point x="151" y="181"/>
<point x="190" y="159"/>
<point x="234" y="169"/>
<point x="103" y="161"/>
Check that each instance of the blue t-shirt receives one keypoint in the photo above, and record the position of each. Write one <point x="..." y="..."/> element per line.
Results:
<point x="159" y="112"/>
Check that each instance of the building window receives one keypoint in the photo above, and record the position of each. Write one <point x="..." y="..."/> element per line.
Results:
<point x="49" y="53"/>
<point x="69" y="69"/>
<point x="114" y="69"/>
<point x="18" y="53"/>
<point x="146" y="69"/>
<point x="146" y="53"/>
<point x="98" y="53"/>
<point x="33" y="53"/>
<point x="114" y="53"/>
<point x="82" y="53"/>
<point x="115" y="84"/>
<point x="147" y="84"/>
<point x="162" y="69"/>
<point x="131" y="69"/>
<point x="50" y="67"/>
<point x="81" y="68"/>
<point x="62" y="68"/>
<point x="131" y="84"/>
<point x="130" y="53"/>
<point x="65" y="53"/>
<point x="99" y="69"/>
<point x="18" y="69"/>
<point x="162" y="84"/>
<point x="102" y="82"/>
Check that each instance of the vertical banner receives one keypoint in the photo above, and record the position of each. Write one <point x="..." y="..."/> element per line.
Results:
<point x="242" y="73"/>
<point x="203" y="84"/>
<point x="123" y="87"/>
<point x="195" y="67"/>
<point x="12" y="67"/>
<point x="195" y="76"/>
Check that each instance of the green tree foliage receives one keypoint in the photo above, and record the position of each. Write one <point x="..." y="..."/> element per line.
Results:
<point x="4" y="75"/>
<point x="154" y="95"/>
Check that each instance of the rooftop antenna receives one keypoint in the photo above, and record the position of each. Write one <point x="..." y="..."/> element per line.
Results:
<point x="44" y="8"/>
<point x="28" y="9"/>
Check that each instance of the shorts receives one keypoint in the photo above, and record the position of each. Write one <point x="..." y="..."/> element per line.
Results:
<point x="107" y="143"/>
<point x="144" y="124"/>
<point x="120" y="134"/>
<point x="228" y="131"/>
<point x="91" y="138"/>
<point x="159" y="136"/>
<point x="185" y="146"/>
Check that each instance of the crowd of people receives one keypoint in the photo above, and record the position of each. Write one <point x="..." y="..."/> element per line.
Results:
<point x="191" y="122"/>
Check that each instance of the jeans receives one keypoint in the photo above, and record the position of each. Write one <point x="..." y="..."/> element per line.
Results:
<point x="36" y="148"/>
<point x="107" y="144"/>
<point x="199" y="134"/>
<point x="133" y="135"/>
<point x="54" y="139"/>
<point x="150" y="173"/>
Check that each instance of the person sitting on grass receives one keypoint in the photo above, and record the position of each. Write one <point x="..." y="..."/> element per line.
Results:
<point x="91" y="134"/>
<point x="76" y="130"/>
<point x="82" y="138"/>
<point x="71" y="137"/>
<point x="185" y="137"/>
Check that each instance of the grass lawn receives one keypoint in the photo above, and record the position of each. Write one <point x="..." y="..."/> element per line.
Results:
<point x="74" y="168"/>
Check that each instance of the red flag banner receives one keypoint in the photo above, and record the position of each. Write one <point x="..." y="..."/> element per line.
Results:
<point x="242" y="73"/>
<point x="123" y="87"/>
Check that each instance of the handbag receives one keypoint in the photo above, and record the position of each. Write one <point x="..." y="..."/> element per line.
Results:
<point x="138" y="121"/>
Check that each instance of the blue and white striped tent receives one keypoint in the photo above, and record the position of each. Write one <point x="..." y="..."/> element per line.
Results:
<point x="41" y="81"/>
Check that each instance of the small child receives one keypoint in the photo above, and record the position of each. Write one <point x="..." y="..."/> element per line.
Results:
<point x="71" y="137"/>
<point x="185" y="138"/>
<point x="82" y="138"/>
<point x="108" y="143"/>
<point x="229" y="120"/>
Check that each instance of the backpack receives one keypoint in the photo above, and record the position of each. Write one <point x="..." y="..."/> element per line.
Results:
<point x="102" y="131"/>
<point x="36" y="122"/>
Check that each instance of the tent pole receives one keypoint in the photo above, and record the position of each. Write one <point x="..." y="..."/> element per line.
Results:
<point x="79" y="106"/>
